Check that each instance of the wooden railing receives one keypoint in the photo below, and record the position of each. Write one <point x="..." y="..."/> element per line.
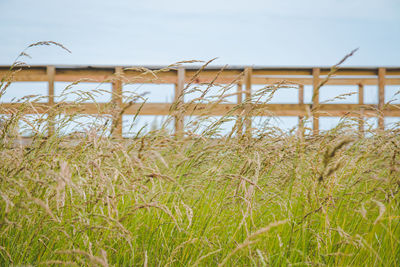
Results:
<point x="244" y="77"/>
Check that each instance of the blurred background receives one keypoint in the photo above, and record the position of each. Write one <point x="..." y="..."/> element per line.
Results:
<point x="156" y="32"/>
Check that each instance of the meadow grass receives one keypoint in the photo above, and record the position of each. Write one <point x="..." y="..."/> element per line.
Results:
<point x="203" y="199"/>
<point x="157" y="200"/>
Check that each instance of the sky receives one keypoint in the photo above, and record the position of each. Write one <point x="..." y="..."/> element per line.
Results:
<point x="158" y="32"/>
<point x="237" y="32"/>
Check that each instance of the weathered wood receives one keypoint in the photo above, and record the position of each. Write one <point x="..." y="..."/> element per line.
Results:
<point x="51" y="70"/>
<point x="215" y="76"/>
<point x="301" y="102"/>
<point x="84" y="75"/>
<point x="156" y="77"/>
<point x="350" y="71"/>
<point x="239" y="102"/>
<point x="170" y="78"/>
<point x="315" y="100"/>
<point x="332" y="81"/>
<point x="394" y="71"/>
<point x="326" y="110"/>
<point x="282" y="71"/>
<point x="294" y="77"/>
<point x="26" y="75"/>
<point x="248" y="72"/>
<point x="179" y="100"/>
<point x="116" y="101"/>
<point x="361" y="102"/>
<point x="381" y="97"/>
<point x="301" y="94"/>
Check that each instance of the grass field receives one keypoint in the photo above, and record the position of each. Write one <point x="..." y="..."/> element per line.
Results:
<point x="156" y="200"/>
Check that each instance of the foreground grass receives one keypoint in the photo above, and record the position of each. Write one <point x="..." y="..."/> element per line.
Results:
<point x="157" y="200"/>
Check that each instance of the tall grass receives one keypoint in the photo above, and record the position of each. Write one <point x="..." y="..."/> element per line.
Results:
<point x="275" y="198"/>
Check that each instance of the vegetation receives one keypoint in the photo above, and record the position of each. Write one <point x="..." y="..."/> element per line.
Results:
<point x="204" y="199"/>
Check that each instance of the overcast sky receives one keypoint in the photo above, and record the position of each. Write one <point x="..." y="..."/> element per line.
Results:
<point x="252" y="32"/>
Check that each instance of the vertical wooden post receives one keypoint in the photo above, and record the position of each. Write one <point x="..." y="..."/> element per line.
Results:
<point x="179" y="100"/>
<point x="381" y="97"/>
<point x="239" y="102"/>
<point x="361" y="102"/>
<point x="51" y="72"/>
<point x="301" y="102"/>
<point x="117" y="102"/>
<point x="315" y="99"/>
<point x="248" y="72"/>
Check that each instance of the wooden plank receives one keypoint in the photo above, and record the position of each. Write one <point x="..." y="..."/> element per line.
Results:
<point x="51" y="70"/>
<point x="233" y="71"/>
<point x="25" y="108"/>
<point x="361" y="102"/>
<point x="315" y="99"/>
<point x="178" y="101"/>
<point x="345" y="71"/>
<point x="351" y="81"/>
<point x="170" y="78"/>
<point x="205" y="109"/>
<point x="239" y="102"/>
<point x="301" y="94"/>
<point x="386" y="76"/>
<point x="140" y="75"/>
<point x="301" y="102"/>
<point x="156" y="77"/>
<point x="248" y="72"/>
<point x="394" y="71"/>
<point x="130" y="76"/>
<point x="278" y="71"/>
<point x="217" y="76"/>
<point x="392" y="81"/>
<point x="207" y="79"/>
<point x="283" y="80"/>
<point x="116" y="101"/>
<point x="381" y="97"/>
<point x="239" y="91"/>
<point x="309" y="81"/>
<point x="86" y="75"/>
<point x="326" y="110"/>
<point x="349" y="71"/>
<point x="26" y="75"/>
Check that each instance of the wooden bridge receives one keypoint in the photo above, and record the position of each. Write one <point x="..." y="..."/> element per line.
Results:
<point x="244" y="77"/>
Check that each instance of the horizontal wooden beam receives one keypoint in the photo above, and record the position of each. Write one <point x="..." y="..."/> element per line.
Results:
<point x="274" y="72"/>
<point x="332" y="81"/>
<point x="224" y="76"/>
<point x="26" y="75"/>
<point x="165" y="78"/>
<point x="204" y="109"/>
